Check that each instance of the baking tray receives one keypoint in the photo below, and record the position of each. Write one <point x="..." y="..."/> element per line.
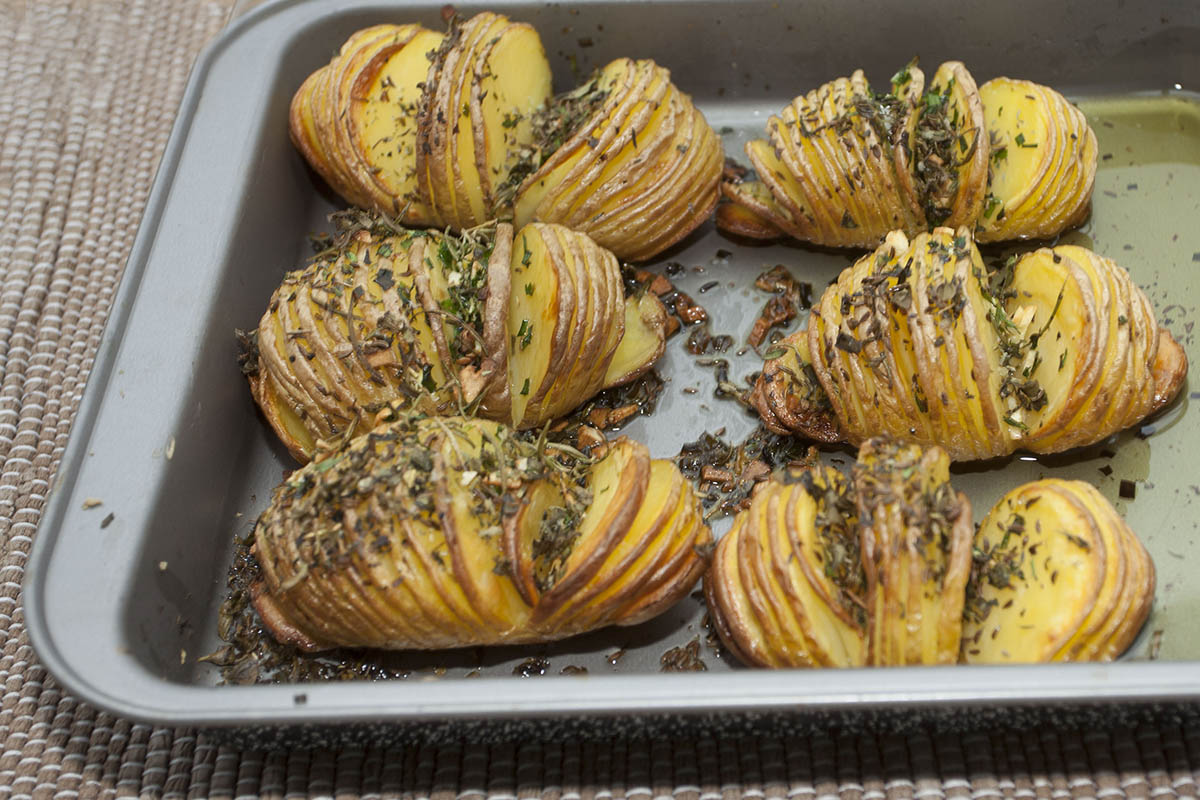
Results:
<point x="121" y="597"/>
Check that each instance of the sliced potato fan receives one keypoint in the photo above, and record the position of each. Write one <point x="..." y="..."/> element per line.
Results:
<point x="786" y="586"/>
<point x="520" y="329"/>
<point x="1043" y="162"/>
<point x="446" y="532"/>
<point x="920" y="341"/>
<point x="452" y="130"/>
<point x="424" y="125"/>
<point x="887" y="569"/>
<point x="1057" y="576"/>
<point x="844" y="165"/>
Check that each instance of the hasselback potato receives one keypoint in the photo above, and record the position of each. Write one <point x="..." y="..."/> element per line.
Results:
<point x="453" y="130"/>
<point x="439" y="532"/>
<point x="844" y="165"/>
<point x="886" y="569"/>
<point x="517" y="329"/>
<point x="919" y="341"/>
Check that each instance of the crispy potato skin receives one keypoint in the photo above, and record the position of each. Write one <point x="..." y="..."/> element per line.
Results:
<point x="842" y="166"/>
<point x="909" y="342"/>
<point x="887" y="569"/>
<point x="405" y="540"/>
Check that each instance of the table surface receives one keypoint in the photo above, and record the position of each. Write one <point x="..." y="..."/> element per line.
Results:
<point x="88" y="92"/>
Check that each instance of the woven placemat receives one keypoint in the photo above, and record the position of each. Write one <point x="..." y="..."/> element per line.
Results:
<point x="88" y="92"/>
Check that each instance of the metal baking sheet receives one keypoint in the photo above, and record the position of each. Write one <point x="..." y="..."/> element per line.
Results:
<point x="121" y="598"/>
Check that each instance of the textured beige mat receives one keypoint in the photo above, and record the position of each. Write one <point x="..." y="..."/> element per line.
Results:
<point x="88" y="91"/>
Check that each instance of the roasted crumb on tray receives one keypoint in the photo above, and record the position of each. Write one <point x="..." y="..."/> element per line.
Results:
<point x="685" y="658"/>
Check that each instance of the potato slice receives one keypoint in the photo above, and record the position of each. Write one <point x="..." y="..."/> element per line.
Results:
<point x="610" y="178"/>
<point x="676" y="569"/>
<point x="1130" y="619"/>
<point x="1073" y="347"/>
<point x="1043" y="161"/>
<point x="797" y="138"/>
<point x="783" y="585"/>
<point x="1021" y="127"/>
<point x="678" y="186"/>
<point x="607" y="269"/>
<point x="636" y="140"/>
<point x="520" y="530"/>
<point x="360" y="61"/>
<point x="788" y="208"/>
<point x="1121" y="566"/>
<point x="606" y="100"/>
<point x="729" y="606"/>
<point x="784" y="641"/>
<point x="817" y="547"/>
<point x="492" y="374"/>
<point x="356" y="72"/>
<point x="475" y="547"/>
<point x="589" y="328"/>
<point x="302" y="130"/>
<point x="1056" y="182"/>
<point x="541" y="308"/>
<point x="643" y="342"/>
<point x="1041" y="572"/>
<point x="316" y="371"/>
<point x="512" y="81"/>
<point x="471" y="206"/>
<point x="788" y="395"/>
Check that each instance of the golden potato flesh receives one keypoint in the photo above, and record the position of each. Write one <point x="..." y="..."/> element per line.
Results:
<point x="347" y="335"/>
<point x="643" y="340"/>
<point x="479" y="97"/>
<point x="948" y="148"/>
<point x="786" y="587"/>
<point x="888" y="569"/>
<point x="406" y="537"/>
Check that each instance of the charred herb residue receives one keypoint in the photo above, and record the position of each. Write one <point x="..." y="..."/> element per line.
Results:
<point x="725" y="474"/>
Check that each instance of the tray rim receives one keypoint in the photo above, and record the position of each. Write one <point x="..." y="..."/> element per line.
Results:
<point x="155" y="700"/>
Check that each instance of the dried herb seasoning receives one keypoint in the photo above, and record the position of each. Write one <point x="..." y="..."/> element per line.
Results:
<point x="552" y="126"/>
<point x="938" y="134"/>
